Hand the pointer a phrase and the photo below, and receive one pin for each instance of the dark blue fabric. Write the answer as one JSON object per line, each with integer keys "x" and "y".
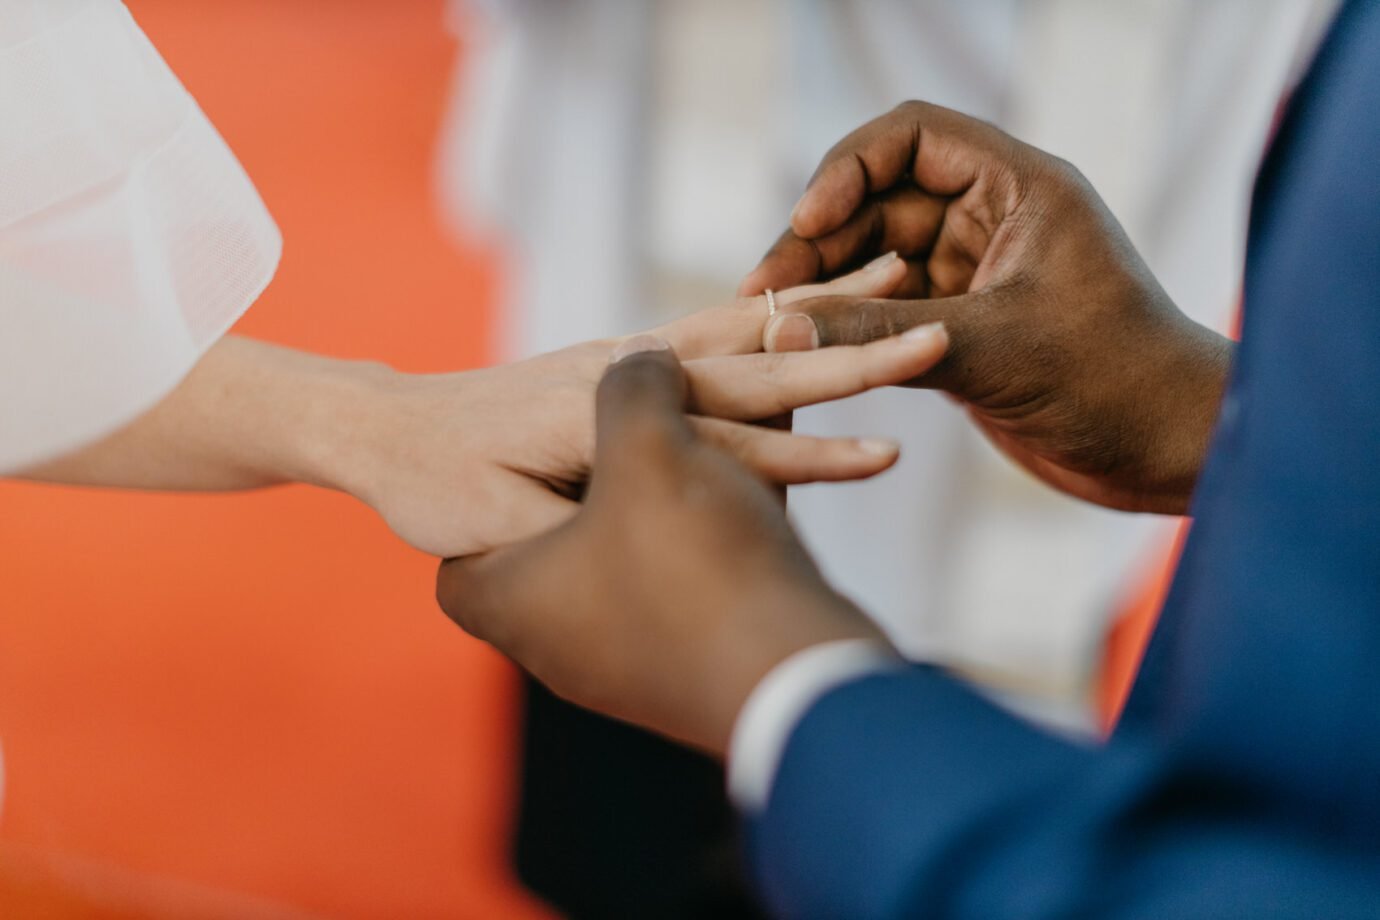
{"x": 1244, "y": 780}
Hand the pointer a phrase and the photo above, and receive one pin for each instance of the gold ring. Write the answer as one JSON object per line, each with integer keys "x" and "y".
{"x": 771, "y": 303}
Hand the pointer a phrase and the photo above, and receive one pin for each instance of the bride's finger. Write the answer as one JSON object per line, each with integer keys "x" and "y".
{"x": 782, "y": 458}
{"x": 751, "y": 387}
{"x": 736, "y": 328}
{"x": 880, "y": 277}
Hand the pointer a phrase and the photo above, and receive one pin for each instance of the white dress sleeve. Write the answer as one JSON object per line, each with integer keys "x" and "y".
{"x": 130, "y": 237}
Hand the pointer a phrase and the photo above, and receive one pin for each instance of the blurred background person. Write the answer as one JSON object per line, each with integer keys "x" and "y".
{"x": 632, "y": 158}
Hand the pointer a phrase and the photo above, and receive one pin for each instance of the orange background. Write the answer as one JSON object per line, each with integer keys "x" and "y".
{"x": 256, "y": 693}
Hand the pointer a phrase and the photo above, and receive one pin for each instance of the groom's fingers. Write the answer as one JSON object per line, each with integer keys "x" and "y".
{"x": 903, "y": 219}
{"x": 941, "y": 151}
{"x": 979, "y": 326}
{"x": 493, "y": 596}
{"x": 935, "y": 151}
{"x": 750, "y": 387}
{"x": 473, "y": 590}
{"x": 870, "y": 160}
{"x": 782, "y": 458}
{"x": 790, "y": 261}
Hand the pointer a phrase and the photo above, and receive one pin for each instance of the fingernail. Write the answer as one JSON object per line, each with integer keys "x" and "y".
{"x": 795, "y": 211}
{"x": 881, "y": 447}
{"x": 791, "y": 332}
{"x": 930, "y": 332}
{"x": 638, "y": 343}
{"x": 880, "y": 262}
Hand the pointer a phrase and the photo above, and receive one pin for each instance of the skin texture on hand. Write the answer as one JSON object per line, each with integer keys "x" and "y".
{"x": 464, "y": 462}
{"x": 676, "y": 588}
{"x": 1066, "y": 351}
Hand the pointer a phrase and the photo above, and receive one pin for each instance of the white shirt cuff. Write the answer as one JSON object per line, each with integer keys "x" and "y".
{"x": 781, "y": 700}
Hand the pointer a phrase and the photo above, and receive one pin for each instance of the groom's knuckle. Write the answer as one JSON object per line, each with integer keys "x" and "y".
{"x": 868, "y": 322}
{"x": 455, "y": 593}
{"x": 891, "y": 318}
{"x": 912, "y": 109}
{"x": 863, "y": 324}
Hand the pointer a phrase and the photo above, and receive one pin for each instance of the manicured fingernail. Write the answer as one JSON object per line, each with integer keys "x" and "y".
{"x": 880, "y": 262}
{"x": 791, "y": 332}
{"x": 930, "y": 332}
{"x": 881, "y": 447}
{"x": 638, "y": 343}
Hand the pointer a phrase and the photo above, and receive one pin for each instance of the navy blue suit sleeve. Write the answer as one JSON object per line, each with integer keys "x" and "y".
{"x": 909, "y": 795}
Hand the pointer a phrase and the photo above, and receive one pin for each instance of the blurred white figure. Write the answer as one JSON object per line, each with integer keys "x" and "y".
{"x": 637, "y": 158}
{"x": 612, "y": 147}
{"x": 546, "y": 140}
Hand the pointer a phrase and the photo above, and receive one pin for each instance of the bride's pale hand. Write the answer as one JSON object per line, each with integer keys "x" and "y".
{"x": 466, "y": 462}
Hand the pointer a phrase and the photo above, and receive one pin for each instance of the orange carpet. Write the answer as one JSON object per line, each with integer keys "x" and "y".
{"x": 255, "y": 694}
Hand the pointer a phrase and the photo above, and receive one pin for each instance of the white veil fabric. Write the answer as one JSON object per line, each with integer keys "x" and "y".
{"x": 130, "y": 237}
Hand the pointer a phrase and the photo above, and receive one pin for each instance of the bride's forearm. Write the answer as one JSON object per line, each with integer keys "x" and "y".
{"x": 465, "y": 462}
{"x": 248, "y": 415}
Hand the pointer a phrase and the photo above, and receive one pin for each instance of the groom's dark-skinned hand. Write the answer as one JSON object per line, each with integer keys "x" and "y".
{"x": 1065, "y": 350}
{"x": 677, "y": 586}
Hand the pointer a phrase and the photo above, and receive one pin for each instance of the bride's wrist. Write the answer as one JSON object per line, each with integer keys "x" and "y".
{"x": 346, "y": 425}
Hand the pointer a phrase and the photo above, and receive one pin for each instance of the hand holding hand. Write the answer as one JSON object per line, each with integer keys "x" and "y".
{"x": 462, "y": 463}
{"x": 676, "y": 588}
{"x": 1066, "y": 351}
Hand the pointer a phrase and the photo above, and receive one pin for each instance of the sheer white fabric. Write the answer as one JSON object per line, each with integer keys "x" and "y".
{"x": 130, "y": 237}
